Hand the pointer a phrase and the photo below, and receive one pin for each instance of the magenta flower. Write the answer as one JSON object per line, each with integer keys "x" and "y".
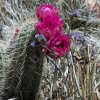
{"x": 41, "y": 28}
{"x": 54, "y": 23}
{"x": 57, "y": 46}
{"x": 49, "y": 28}
{"x": 49, "y": 21}
{"x": 46, "y": 11}
{"x": 38, "y": 27}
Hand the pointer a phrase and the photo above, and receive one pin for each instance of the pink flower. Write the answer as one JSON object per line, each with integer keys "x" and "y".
{"x": 57, "y": 46}
{"x": 54, "y": 23}
{"x": 41, "y": 28}
{"x": 49, "y": 22}
{"x": 46, "y": 10}
{"x": 49, "y": 28}
{"x": 38, "y": 27}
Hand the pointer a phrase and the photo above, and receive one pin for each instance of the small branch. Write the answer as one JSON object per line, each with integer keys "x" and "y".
{"x": 76, "y": 80}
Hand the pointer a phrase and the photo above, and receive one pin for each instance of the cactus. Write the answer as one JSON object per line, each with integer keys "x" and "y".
{"x": 24, "y": 71}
